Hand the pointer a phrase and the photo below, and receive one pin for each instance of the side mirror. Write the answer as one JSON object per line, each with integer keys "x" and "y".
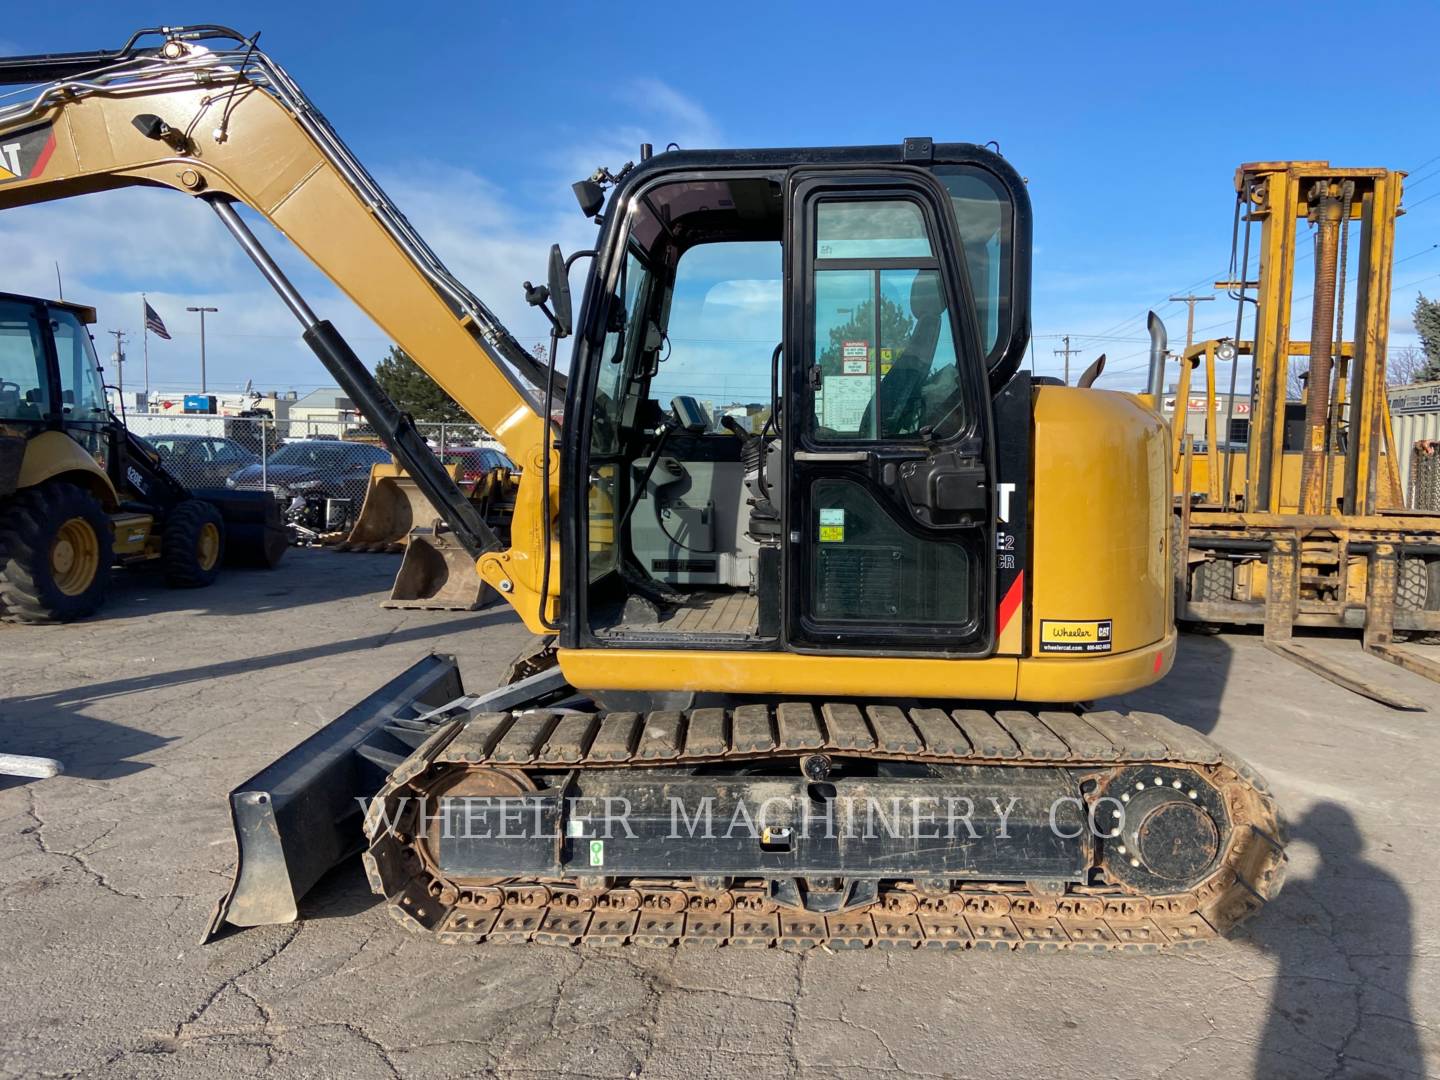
{"x": 559, "y": 283}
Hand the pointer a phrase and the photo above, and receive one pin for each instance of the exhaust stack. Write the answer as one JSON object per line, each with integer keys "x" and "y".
{"x": 1158, "y": 343}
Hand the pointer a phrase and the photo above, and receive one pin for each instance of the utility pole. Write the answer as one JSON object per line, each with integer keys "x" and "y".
{"x": 1190, "y": 302}
{"x": 119, "y": 365}
{"x": 202, "y": 311}
{"x": 1067, "y": 350}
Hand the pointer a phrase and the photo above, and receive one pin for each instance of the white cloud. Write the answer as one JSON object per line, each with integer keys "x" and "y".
{"x": 665, "y": 103}
{"x": 656, "y": 113}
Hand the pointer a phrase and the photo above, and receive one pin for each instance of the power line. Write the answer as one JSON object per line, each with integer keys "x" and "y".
{"x": 1066, "y": 351}
{"x": 1190, "y": 301}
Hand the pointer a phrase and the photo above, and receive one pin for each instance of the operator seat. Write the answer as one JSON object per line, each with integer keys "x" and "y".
{"x": 902, "y": 402}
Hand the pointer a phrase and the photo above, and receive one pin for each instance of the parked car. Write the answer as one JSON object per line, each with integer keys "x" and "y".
{"x": 201, "y": 461}
{"x": 325, "y": 467}
{"x": 474, "y": 461}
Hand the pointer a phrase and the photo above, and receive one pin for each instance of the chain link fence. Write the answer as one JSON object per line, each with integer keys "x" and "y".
{"x": 1425, "y": 476}
{"x": 324, "y": 462}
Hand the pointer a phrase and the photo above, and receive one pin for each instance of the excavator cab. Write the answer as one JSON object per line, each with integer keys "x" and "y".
{"x": 783, "y": 371}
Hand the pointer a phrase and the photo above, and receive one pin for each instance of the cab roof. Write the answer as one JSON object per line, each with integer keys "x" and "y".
{"x": 916, "y": 150}
{"x": 83, "y": 312}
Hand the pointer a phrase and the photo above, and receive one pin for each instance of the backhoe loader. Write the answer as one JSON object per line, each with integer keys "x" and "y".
{"x": 776, "y": 660}
{"x": 79, "y": 493}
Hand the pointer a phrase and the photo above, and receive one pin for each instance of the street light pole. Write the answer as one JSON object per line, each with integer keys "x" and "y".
{"x": 202, "y": 311}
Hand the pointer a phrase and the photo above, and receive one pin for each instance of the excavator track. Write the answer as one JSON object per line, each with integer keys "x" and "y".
{"x": 1112, "y": 756}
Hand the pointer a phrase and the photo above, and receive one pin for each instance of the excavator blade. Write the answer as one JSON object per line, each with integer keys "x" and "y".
{"x": 393, "y": 506}
{"x": 301, "y": 815}
{"x": 437, "y": 573}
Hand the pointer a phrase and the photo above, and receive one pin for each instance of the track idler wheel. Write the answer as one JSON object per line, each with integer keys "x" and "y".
{"x": 1167, "y": 828}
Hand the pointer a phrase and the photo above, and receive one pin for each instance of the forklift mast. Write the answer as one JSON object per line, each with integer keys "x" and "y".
{"x": 1299, "y": 520}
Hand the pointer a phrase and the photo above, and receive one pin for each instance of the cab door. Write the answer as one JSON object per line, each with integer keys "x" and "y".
{"x": 85, "y": 413}
{"x": 889, "y": 527}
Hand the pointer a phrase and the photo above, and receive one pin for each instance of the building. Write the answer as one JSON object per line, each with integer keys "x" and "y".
{"x": 171, "y": 402}
{"x": 326, "y": 411}
{"x": 1415, "y": 418}
{"x": 1195, "y": 414}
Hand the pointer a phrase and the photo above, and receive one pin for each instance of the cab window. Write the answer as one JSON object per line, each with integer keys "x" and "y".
{"x": 81, "y": 395}
{"x": 24, "y": 390}
{"x": 983, "y": 212}
{"x": 724, "y": 322}
{"x": 886, "y": 366}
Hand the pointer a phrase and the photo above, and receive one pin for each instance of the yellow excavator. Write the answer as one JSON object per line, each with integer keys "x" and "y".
{"x": 812, "y": 666}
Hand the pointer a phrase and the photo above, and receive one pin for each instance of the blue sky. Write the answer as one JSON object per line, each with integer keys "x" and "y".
{"x": 1127, "y": 120}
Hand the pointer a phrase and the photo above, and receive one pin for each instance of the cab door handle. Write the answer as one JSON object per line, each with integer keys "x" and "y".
{"x": 832, "y": 455}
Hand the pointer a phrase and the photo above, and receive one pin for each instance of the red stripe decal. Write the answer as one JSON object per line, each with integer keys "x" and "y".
{"x": 44, "y": 158}
{"x": 1013, "y": 597}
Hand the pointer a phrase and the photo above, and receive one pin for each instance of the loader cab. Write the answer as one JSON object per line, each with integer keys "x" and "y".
{"x": 49, "y": 374}
{"x": 783, "y": 392}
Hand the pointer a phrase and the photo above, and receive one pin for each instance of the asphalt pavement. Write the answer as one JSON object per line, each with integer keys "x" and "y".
{"x": 108, "y": 875}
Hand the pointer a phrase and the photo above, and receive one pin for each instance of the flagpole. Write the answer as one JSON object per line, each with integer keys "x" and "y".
{"x": 145, "y": 332}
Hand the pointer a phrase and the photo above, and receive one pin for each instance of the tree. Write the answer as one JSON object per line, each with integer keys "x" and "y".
{"x": 895, "y": 329}
{"x": 415, "y": 392}
{"x": 1427, "y": 326}
{"x": 1405, "y": 366}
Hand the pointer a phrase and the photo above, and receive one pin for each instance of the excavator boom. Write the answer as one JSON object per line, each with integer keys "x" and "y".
{"x": 203, "y": 111}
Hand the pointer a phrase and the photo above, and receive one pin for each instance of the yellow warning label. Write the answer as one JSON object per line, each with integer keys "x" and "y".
{"x": 1075, "y": 636}
{"x": 832, "y": 534}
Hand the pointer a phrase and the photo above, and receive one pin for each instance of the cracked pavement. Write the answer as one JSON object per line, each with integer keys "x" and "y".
{"x": 109, "y": 873}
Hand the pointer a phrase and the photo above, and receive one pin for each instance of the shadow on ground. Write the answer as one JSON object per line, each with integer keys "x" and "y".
{"x": 1344, "y": 942}
{"x": 301, "y": 579}
{"x": 1191, "y": 693}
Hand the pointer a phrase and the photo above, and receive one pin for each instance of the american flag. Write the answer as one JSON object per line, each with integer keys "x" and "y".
{"x": 154, "y": 323}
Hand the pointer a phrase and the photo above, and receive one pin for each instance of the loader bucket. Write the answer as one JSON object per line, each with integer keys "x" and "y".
{"x": 393, "y": 506}
{"x": 302, "y": 814}
{"x": 436, "y": 573}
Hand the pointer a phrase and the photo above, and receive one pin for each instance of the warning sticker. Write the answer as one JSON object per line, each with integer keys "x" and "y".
{"x": 1075, "y": 636}
{"x": 857, "y": 367}
{"x": 832, "y": 526}
{"x": 597, "y": 852}
{"x": 887, "y": 361}
{"x": 855, "y": 350}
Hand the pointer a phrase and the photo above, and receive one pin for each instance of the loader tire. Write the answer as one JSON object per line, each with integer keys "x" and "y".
{"x": 56, "y": 547}
{"x": 192, "y": 545}
{"x": 1417, "y": 587}
{"x": 1213, "y": 581}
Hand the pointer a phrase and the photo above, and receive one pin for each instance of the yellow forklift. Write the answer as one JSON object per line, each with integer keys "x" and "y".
{"x": 79, "y": 493}
{"x": 1289, "y": 512}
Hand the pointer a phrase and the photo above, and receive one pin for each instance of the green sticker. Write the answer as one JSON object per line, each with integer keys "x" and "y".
{"x": 597, "y": 852}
